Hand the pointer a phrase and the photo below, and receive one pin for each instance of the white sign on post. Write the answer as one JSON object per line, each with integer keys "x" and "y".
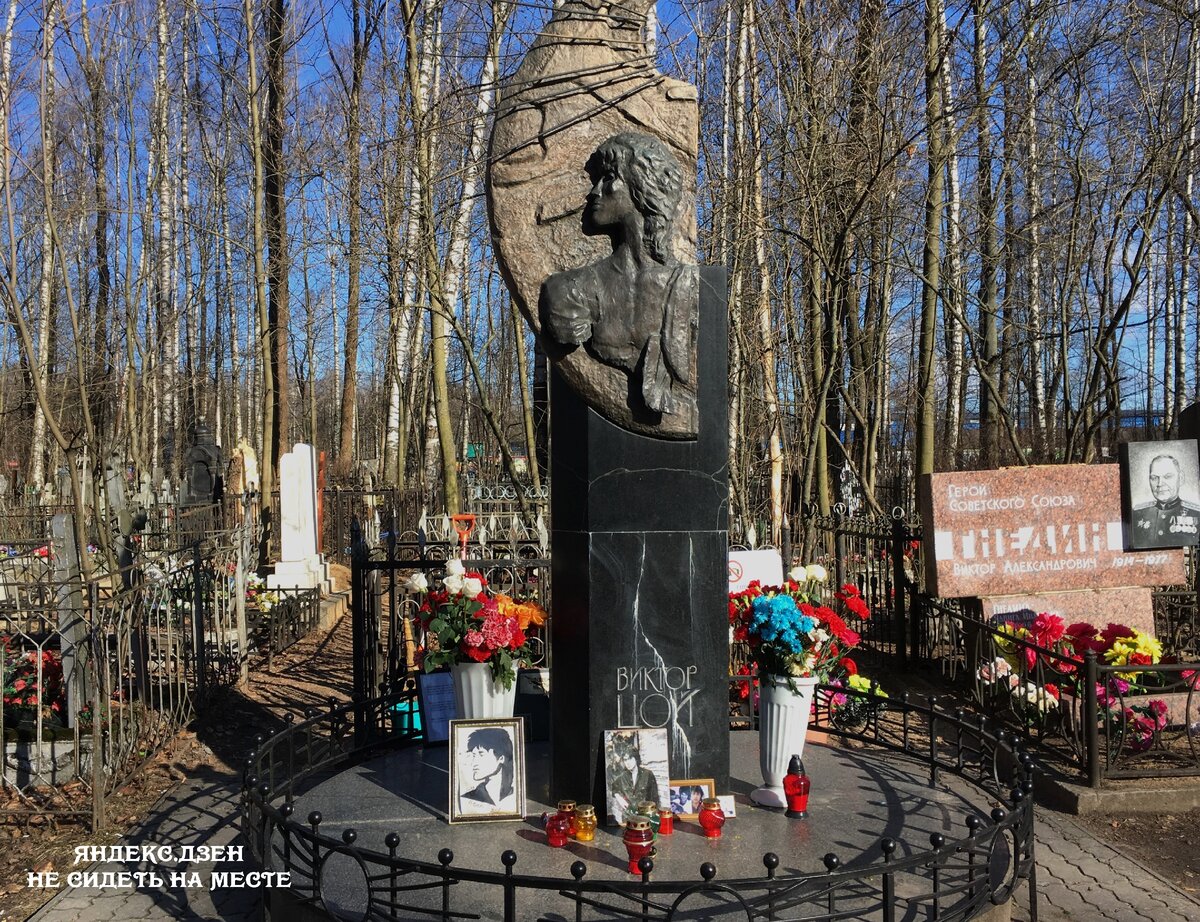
{"x": 746, "y": 566}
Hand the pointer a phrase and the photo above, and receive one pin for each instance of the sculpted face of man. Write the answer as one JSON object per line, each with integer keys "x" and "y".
{"x": 609, "y": 201}
{"x": 1164, "y": 479}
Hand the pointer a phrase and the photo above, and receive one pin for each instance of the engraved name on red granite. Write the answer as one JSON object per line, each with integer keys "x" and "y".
{"x": 1035, "y": 529}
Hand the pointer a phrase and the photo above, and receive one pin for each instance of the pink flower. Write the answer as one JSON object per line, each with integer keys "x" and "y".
{"x": 474, "y": 639}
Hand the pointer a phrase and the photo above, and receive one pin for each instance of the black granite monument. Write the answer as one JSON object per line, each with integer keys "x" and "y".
{"x": 639, "y": 626}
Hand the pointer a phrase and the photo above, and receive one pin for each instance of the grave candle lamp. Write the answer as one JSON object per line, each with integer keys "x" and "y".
{"x": 666, "y": 822}
{"x": 638, "y": 839}
{"x": 649, "y": 809}
{"x": 712, "y": 818}
{"x": 557, "y": 830}
{"x": 585, "y": 822}
{"x": 796, "y": 786}
{"x": 567, "y": 809}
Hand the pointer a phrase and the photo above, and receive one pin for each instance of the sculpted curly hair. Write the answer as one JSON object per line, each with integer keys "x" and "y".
{"x": 655, "y": 183}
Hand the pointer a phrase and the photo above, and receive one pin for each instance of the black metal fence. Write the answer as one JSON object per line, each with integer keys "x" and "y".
{"x": 1086, "y": 719}
{"x": 955, "y": 878}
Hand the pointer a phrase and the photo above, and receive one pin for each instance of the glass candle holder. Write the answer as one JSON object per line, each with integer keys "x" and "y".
{"x": 796, "y": 786}
{"x": 585, "y": 822}
{"x": 567, "y": 809}
{"x": 649, "y": 809}
{"x": 666, "y": 822}
{"x": 712, "y": 818}
{"x": 638, "y": 839}
{"x": 558, "y": 829}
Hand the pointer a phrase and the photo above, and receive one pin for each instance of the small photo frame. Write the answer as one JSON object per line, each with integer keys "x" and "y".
{"x": 487, "y": 770}
{"x": 635, "y": 770}
{"x": 687, "y": 794}
{"x": 1160, "y": 494}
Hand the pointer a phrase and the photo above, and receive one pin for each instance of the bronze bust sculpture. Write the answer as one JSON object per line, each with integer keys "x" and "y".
{"x": 636, "y": 309}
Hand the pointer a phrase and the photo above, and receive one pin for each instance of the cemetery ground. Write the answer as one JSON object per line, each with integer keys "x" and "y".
{"x": 1085, "y": 862}
{"x": 209, "y": 752}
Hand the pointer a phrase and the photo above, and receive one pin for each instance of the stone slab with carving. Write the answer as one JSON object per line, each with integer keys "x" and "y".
{"x": 586, "y": 79}
{"x": 1046, "y": 528}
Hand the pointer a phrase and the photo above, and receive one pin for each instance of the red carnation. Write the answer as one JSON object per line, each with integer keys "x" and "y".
{"x": 849, "y": 665}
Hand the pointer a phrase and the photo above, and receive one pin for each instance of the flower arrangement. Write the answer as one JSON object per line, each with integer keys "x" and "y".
{"x": 853, "y": 711}
{"x": 259, "y": 595}
{"x": 467, "y": 623}
{"x": 33, "y": 681}
{"x": 791, "y": 632}
{"x": 1133, "y": 725}
{"x": 1115, "y": 645}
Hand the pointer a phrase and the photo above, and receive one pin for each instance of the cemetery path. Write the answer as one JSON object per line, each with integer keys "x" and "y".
{"x": 194, "y": 801}
{"x": 1082, "y": 878}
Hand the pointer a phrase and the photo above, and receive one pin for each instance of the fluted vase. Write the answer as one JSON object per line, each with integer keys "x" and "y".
{"x": 478, "y": 695}
{"x": 782, "y": 723}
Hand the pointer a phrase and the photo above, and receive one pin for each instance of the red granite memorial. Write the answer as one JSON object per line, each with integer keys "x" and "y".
{"x": 1033, "y": 530}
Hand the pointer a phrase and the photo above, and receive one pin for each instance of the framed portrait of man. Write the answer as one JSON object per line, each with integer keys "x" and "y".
{"x": 1160, "y": 494}
{"x": 487, "y": 770}
{"x": 688, "y": 794}
{"x": 635, "y": 770}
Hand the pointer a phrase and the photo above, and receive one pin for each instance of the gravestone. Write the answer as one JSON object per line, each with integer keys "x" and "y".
{"x": 203, "y": 471}
{"x": 1042, "y": 538}
{"x": 638, "y": 394}
{"x": 299, "y": 565}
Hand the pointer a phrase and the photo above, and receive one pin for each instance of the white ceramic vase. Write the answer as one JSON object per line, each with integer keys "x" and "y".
{"x": 782, "y": 723}
{"x": 477, "y": 695}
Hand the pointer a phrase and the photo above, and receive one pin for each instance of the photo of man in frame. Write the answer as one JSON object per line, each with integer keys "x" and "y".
{"x": 1160, "y": 487}
{"x": 487, "y": 777}
{"x": 635, "y": 770}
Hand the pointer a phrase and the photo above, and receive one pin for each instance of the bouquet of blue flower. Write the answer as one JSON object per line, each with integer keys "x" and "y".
{"x": 791, "y": 633}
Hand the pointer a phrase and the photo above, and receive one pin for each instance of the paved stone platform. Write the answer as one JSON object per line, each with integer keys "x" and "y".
{"x": 1080, "y": 877}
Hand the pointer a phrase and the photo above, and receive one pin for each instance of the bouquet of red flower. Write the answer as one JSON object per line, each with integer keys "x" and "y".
{"x": 789, "y": 629}
{"x": 465, "y": 622}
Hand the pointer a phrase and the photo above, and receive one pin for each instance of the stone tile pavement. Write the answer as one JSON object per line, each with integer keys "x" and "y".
{"x": 198, "y": 812}
{"x": 1080, "y": 878}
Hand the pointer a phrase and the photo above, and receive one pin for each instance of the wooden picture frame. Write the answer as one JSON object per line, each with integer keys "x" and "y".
{"x": 687, "y": 794}
{"x": 487, "y": 770}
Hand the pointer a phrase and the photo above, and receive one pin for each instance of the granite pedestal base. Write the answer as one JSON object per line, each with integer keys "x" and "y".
{"x": 639, "y": 551}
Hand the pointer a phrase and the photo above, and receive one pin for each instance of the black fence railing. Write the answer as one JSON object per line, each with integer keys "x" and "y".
{"x": 956, "y": 878}
{"x": 1083, "y": 717}
{"x": 278, "y": 618}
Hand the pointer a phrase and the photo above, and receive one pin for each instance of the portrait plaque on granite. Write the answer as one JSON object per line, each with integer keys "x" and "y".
{"x": 635, "y": 309}
{"x": 1160, "y": 494}
{"x": 585, "y": 80}
{"x": 1034, "y": 529}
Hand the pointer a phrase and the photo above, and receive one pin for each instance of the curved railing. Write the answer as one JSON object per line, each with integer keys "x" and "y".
{"x": 956, "y": 877}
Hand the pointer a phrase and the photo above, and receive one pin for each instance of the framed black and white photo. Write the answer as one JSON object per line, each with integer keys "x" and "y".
{"x": 487, "y": 770}
{"x": 688, "y": 794}
{"x": 1160, "y": 494}
{"x": 635, "y": 770}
